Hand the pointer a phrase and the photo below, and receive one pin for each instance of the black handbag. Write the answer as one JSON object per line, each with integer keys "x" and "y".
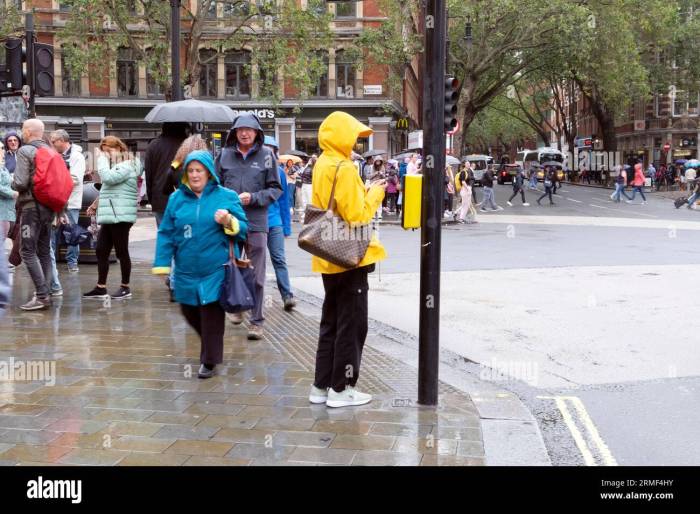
{"x": 238, "y": 290}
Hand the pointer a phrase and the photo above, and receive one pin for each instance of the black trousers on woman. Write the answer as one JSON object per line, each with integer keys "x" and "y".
{"x": 113, "y": 235}
{"x": 547, "y": 192}
{"x": 209, "y": 322}
{"x": 343, "y": 329}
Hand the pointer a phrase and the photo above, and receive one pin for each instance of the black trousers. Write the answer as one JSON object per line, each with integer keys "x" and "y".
{"x": 515, "y": 193}
{"x": 115, "y": 235}
{"x": 343, "y": 329}
{"x": 547, "y": 192}
{"x": 209, "y": 323}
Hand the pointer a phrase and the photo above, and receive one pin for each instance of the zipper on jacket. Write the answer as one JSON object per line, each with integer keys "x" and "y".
{"x": 113, "y": 211}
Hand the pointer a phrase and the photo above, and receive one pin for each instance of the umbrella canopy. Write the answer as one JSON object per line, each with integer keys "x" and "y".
{"x": 373, "y": 153}
{"x": 288, "y": 157}
{"x": 299, "y": 153}
{"x": 692, "y": 163}
{"x": 451, "y": 160}
{"x": 681, "y": 161}
{"x": 192, "y": 111}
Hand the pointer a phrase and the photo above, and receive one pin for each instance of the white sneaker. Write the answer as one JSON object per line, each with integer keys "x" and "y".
{"x": 318, "y": 395}
{"x": 350, "y": 397}
{"x": 509, "y": 204}
{"x": 526, "y": 204}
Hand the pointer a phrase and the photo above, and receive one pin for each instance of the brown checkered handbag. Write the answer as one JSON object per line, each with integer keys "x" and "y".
{"x": 328, "y": 236}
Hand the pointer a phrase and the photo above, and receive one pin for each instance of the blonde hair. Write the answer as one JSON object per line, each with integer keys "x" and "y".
{"x": 192, "y": 143}
{"x": 114, "y": 142}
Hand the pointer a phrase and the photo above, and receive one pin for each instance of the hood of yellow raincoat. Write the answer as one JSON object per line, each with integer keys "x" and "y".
{"x": 206, "y": 159}
{"x": 339, "y": 132}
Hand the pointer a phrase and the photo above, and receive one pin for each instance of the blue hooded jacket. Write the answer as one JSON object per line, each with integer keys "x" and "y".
{"x": 278, "y": 211}
{"x": 189, "y": 234}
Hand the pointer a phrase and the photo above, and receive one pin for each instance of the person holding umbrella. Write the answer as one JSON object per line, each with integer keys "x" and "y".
{"x": 291, "y": 173}
{"x": 246, "y": 166}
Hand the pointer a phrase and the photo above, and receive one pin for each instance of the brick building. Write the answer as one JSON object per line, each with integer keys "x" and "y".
{"x": 89, "y": 110}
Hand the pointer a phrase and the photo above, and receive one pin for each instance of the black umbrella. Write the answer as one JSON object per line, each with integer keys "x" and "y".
{"x": 298, "y": 153}
{"x": 193, "y": 111}
{"x": 373, "y": 153}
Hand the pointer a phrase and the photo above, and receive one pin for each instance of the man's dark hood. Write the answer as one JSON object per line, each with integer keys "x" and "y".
{"x": 9, "y": 135}
{"x": 248, "y": 121}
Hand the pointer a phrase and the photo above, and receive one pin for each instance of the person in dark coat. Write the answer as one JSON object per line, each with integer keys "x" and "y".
{"x": 12, "y": 143}
{"x": 159, "y": 156}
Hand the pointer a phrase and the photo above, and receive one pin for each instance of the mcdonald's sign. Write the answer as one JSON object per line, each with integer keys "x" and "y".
{"x": 402, "y": 124}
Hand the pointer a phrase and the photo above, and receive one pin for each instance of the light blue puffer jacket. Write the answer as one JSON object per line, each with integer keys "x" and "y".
{"x": 119, "y": 191}
{"x": 7, "y": 199}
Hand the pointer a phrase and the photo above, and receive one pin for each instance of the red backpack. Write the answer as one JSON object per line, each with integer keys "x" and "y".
{"x": 53, "y": 184}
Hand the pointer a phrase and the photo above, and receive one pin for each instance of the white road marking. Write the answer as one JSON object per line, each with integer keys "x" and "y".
{"x": 600, "y": 207}
{"x": 572, "y": 200}
{"x": 591, "y": 221}
{"x": 598, "y": 444}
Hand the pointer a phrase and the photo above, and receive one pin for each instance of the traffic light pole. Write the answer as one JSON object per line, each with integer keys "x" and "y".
{"x": 175, "y": 49}
{"x": 29, "y": 39}
{"x": 433, "y": 186}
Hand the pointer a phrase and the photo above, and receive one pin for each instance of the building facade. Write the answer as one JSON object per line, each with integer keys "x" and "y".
{"x": 90, "y": 109}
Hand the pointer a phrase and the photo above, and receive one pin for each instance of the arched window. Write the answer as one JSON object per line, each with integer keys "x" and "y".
{"x": 321, "y": 90}
{"x": 69, "y": 85}
{"x": 127, "y": 73}
{"x": 344, "y": 75}
{"x": 208, "y": 74}
{"x": 237, "y": 70}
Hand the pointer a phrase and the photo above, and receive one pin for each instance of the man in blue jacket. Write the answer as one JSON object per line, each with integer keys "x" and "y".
{"x": 280, "y": 227}
{"x": 249, "y": 168}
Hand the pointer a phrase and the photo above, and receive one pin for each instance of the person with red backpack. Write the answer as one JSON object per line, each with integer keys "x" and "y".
{"x": 44, "y": 186}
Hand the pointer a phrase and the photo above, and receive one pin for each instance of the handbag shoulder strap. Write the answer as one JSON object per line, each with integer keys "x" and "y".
{"x": 331, "y": 201}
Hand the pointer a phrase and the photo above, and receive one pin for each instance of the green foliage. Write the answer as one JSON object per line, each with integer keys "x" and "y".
{"x": 499, "y": 123}
{"x": 10, "y": 21}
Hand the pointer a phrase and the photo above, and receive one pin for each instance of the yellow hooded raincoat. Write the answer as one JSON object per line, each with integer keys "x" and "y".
{"x": 337, "y": 137}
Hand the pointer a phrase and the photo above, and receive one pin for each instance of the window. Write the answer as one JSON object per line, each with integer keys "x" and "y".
{"x": 685, "y": 104}
{"x": 346, "y": 9}
{"x": 64, "y": 7}
{"x": 154, "y": 87}
{"x": 234, "y": 8}
{"x": 70, "y": 86}
{"x": 344, "y": 76}
{"x": 321, "y": 90}
{"x": 127, "y": 73}
{"x": 237, "y": 70}
{"x": 208, "y": 73}
{"x": 211, "y": 13}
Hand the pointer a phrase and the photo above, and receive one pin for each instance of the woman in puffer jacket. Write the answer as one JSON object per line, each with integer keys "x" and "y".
{"x": 201, "y": 222}
{"x": 116, "y": 213}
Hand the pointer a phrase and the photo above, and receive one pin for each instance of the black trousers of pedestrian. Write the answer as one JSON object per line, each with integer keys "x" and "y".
{"x": 547, "y": 192}
{"x": 209, "y": 322}
{"x": 343, "y": 329}
{"x": 15, "y": 257}
{"x": 515, "y": 193}
{"x": 113, "y": 235}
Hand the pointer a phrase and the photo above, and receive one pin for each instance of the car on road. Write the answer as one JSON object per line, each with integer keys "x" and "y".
{"x": 507, "y": 172}
{"x": 479, "y": 163}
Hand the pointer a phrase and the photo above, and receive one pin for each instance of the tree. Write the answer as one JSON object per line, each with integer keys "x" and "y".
{"x": 498, "y": 125}
{"x": 285, "y": 37}
{"x": 10, "y": 21}
{"x": 510, "y": 40}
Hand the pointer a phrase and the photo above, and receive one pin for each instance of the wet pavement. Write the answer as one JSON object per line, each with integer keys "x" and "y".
{"x": 119, "y": 387}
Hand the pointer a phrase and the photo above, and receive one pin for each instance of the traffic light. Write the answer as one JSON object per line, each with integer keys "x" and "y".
{"x": 451, "y": 96}
{"x": 43, "y": 70}
{"x": 15, "y": 57}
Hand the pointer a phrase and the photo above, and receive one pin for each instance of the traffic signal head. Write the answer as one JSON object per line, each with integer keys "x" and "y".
{"x": 451, "y": 97}
{"x": 15, "y": 58}
{"x": 43, "y": 70}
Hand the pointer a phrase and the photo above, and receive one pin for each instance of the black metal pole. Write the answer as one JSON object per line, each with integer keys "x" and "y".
{"x": 175, "y": 49}
{"x": 29, "y": 49}
{"x": 433, "y": 185}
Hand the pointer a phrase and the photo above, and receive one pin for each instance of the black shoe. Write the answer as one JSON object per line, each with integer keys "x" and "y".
{"x": 99, "y": 293}
{"x": 206, "y": 370}
{"x": 124, "y": 292}
{"x": 289, "y": 303}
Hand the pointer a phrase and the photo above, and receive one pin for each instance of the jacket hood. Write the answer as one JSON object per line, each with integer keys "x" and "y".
{"x": 203, "y": 157}
{"x": 339, "y": 132}
{"x": 9, "y": 135}
{"x": 245, "y": 120}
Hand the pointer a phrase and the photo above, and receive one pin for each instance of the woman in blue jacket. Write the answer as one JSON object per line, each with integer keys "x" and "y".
{"x": 196, "y": 230}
